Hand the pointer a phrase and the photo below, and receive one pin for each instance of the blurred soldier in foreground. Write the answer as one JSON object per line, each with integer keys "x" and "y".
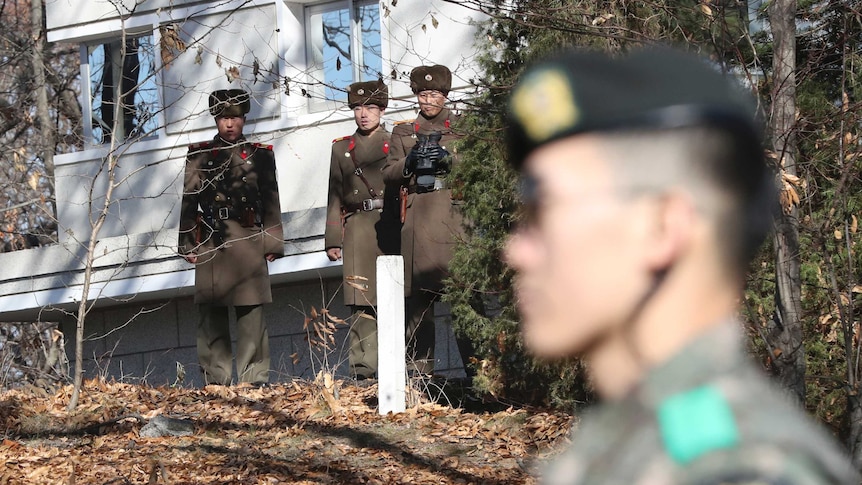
{"x": 354, "y": 230}
{"x": 646, "y": 196}
{"x": 230, "y": 226}
{"x": 420, "y": 159}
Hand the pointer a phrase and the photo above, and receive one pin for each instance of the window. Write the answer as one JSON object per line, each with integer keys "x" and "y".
{"x": 344, "y": 47}
{"x": 127, "y": 78}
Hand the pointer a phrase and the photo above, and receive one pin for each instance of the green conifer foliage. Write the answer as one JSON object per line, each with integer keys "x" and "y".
{"x": 480, "y": 287}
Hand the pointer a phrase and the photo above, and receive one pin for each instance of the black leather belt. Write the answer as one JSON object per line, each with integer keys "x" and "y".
{"x": 225, "y": 213}
{"x": 412, "y": 189}
{"x": 366, "y": 205}
{"x": 439, "y": 184}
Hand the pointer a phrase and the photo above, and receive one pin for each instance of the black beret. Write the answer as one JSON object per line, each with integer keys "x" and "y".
{"x": 229, "y": 102}
{"x": 582, "y": 91}
{"x": 433, "y": 78}
{"x": 370, "y": 92}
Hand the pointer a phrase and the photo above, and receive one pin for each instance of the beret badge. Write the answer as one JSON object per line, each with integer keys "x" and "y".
{"x": 545, "y": 105}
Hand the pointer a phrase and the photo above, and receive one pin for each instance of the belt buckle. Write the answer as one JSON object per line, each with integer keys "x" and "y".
{"x": 223, "y": 213}
{"x": 367, "y": 205}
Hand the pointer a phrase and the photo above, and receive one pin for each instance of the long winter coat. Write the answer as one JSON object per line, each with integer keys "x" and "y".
{"x": 361, "y": 235}
{"x": 219, "y": 177}
{"x": 433, "y": 222}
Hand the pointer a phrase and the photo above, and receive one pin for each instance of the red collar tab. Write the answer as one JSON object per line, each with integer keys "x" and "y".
{"x": 447, "y": 123}
{"x": 386, "y": 147}
{"x": 352, "y": 145}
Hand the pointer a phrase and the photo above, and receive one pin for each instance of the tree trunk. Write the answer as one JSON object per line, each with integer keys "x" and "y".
{"x": 46, "y": 126}
{"x": 785, "y": 330}
{"x": 110, "y": 166}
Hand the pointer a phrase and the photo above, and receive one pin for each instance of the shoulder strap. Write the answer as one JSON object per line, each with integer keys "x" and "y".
{"x": 358, "y": 171}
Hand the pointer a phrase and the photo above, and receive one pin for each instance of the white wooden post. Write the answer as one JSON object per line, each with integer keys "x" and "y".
{"x": 391, "y": 366}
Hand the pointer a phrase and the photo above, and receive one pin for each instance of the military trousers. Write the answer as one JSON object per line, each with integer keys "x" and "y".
{"x": 214, "y": 344}
{"x": 421, "y": 332}
{"x": 421, "y": 336}
{"x": 363, "y": 342}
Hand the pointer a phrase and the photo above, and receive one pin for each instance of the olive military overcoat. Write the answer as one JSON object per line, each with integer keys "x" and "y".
{"x": 223, "y": 180}
{"x": 433, "y": 222}
{"x": 360, "y": 233}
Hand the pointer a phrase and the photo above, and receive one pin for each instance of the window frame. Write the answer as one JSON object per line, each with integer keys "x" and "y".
{"x": 87, "y": 94}
{"x": 316, "y": 86}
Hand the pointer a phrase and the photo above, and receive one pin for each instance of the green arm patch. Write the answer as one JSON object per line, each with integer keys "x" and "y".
{"x": 696, "y": 422}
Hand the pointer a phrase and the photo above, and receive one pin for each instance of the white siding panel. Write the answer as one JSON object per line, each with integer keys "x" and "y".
{"x": 216, "y": 44}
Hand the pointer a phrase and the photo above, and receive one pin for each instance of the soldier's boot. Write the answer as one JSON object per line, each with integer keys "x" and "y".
{"x": 362, "y": 355}
{"x": 421, "y": 333}
{"x": 213, "y": 343}
{"x": 252, "y": 345}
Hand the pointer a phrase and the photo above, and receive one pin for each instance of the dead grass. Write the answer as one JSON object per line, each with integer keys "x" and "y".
{"x": 282, "y": 434}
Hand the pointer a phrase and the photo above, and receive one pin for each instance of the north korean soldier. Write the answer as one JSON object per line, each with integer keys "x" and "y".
{"x": 230, "y": 227}
{"x": 355, "y": 232}
{"x": 420, "y": 160}
{"x": 646, "y": 197}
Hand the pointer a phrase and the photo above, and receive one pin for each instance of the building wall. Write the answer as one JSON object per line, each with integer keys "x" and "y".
{"x": 64, "y": 14}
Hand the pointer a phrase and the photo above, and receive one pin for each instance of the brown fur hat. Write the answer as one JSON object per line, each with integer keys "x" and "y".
{"x": 229, "y": 102}
{"x": 434, "y": 78}
{"x": 370, "y": 92}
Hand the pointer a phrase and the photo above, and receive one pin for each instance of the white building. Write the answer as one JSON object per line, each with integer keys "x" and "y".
{"x": 295, "y": 58}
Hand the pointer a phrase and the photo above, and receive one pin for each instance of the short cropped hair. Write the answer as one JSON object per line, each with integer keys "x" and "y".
{"x": 724, "y": 172}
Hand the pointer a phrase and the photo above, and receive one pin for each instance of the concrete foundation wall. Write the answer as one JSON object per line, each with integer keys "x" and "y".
{"x": 145, "y": 344}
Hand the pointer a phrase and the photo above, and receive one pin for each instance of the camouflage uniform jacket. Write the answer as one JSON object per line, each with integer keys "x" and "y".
{"x": 234, "y": 186}
{"x": 707, "y": 416}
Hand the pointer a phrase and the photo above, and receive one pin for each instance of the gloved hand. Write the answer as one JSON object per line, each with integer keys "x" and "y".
{"x": 411, "y": 160}
{"x": 441, "y": 159}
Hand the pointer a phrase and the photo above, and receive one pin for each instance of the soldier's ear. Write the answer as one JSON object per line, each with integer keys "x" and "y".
{"x": 671, "y": 230}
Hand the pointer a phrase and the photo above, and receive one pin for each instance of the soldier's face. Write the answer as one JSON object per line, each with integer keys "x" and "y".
{"x": 230, "y": 127}
{"x": 431, "y": 102}
{"x": 578, "y": 257}
{"x": 367, "y": 117}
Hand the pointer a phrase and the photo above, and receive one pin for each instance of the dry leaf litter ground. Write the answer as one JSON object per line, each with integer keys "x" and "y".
{"x": 299, "y": 433}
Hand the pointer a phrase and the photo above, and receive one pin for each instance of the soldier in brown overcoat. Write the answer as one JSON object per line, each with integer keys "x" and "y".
{"x": 355, "y": 231}
{"x": 230, "y": 226}
{"x": 420, "y": 160}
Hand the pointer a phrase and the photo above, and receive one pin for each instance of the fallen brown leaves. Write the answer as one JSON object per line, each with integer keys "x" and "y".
{"x": 286, "y": 433}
